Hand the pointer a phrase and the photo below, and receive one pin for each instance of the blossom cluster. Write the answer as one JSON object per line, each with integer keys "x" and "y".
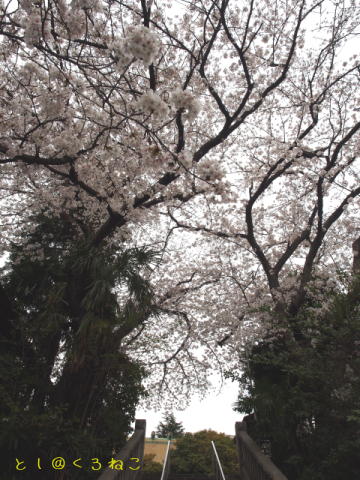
{"x": 209, "y": 171}
{"x": 140, "y": 43}
{"x": 152, "y": 103}
{"x": 185, "y": 100}
{"x": 185, "y": 159}
{"x": 33, "y": 29}
{"x": 85, "y": 4}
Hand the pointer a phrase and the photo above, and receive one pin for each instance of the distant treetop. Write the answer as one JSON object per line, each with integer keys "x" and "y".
{"x": 169, "y": 427}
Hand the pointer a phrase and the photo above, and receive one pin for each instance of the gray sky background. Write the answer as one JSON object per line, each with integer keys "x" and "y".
{"x": 213, "y": 412}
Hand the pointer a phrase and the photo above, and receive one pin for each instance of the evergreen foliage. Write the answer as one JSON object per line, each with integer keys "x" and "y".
{"x": 305, "y": 391}
{"x": 194, "y": 453}
{"x": 63, "y": 378}
{"x": 150, "y": 466}
{"x": 169, "y": 427}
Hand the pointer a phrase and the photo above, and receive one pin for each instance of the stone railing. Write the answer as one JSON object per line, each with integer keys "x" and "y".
{"x": 254, "y": 465}
{"x": 133, "y": 449}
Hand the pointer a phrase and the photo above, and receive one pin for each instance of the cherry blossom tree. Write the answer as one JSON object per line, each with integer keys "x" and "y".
{"x": 225, "y": 132}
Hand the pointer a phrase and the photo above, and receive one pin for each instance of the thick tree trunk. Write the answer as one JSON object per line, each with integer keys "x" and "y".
{"x": 356, "y": 256}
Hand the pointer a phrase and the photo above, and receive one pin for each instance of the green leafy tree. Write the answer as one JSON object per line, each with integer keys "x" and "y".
{"x": 63, "y": 379}
{"x": 169, "y": 427}
{"x": 305, "y": 392}
{"x": 194, "y": 453}
{"x": 150, "y": 466}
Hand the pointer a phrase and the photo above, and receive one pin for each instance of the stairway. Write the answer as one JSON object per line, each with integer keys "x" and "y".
{"x": 254, "y": 465}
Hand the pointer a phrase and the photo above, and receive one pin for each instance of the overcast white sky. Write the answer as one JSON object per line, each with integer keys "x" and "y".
{"x": 214, "y": 412}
